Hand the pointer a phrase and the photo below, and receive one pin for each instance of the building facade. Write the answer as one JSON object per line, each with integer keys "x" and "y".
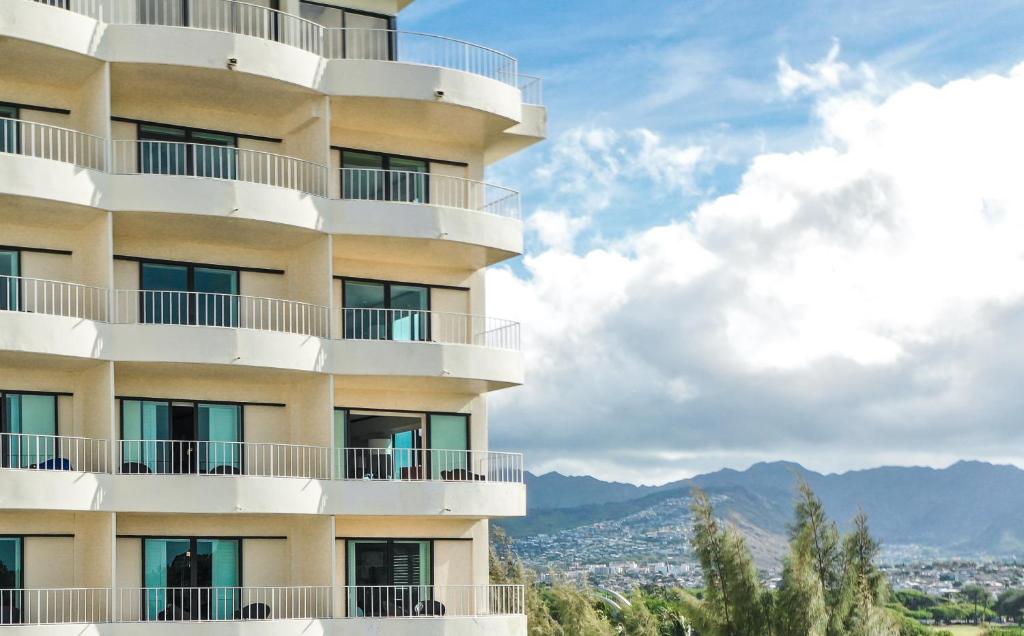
{"x": 244, "y": 350}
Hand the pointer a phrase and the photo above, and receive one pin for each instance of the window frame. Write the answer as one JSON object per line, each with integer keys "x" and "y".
{"x": 188, "y": 137}
{"x": 5, "y": 426}
{"x": 193, "y": 309}
{"x": 387, "y": 303}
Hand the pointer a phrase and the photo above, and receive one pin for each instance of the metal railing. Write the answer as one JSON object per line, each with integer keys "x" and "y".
{"x": 415, "y": 325}
{"x": 532, "y": 88}
{"x": 419, "y": 48}
{"x": 207, "y": 309}
{"x": 30, "y": 451}
{"x": 387, "y": 601}
{"x": 48, "y": 606}
{"x": 371, "y": 184}
{"x": 431, "y": 464}
{"x": 55, "y": 298}
{"x": 44, "y": 141}
{"x": 138, "y": 156}
{"x": 177, "y": 457}
{"x": 202, "y": 604}
{"x": 90, "y": 8}
{"x": 228, "y": 16}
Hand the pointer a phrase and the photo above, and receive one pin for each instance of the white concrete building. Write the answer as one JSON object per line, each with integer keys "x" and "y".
{"x": 244, "y": 352}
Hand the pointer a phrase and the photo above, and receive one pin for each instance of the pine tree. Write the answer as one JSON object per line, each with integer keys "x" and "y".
{"x": 734, "y": 602}
{"x": 865, "y": 591}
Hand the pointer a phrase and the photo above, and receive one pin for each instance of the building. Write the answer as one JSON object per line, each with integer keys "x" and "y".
{"x": 244, "y": 350}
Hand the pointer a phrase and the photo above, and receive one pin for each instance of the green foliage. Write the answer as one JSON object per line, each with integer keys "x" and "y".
{"x": 637, "y": 619}
{"x": 734, "y": 602}
{"x": 574, "y": 612}
{"x": 1010, "y": 604}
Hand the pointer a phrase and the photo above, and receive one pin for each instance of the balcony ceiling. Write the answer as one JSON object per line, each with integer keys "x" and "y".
{"x": 34, "y": 63}
{"x": 209, "y": 230}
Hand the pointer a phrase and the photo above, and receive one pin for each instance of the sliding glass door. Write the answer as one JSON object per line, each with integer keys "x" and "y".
{"x": 179, "y": 294}
{"x": 191, "y": 578}
{"x": 391, "y": 576}
{"x": 29, "y": 422}
{"x": 167, "y": 437}
{"x": 373, "y": 176}
{"x": 449, "y": 443}
{"x": 11, "y": 555}
{"x": 10, "y": 269}
{"x": 386, "y": 311}
{"x": 174, "y": 150}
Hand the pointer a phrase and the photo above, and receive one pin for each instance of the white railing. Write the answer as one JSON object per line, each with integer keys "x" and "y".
{"x": 414, "y": 325}
{"x": 202, "y": 604}
{"x": 54, "y": 605}
{"x": 89, "y": 8}
{"x": 370, "y": 184}
{"x": 419, "y": 48}
{"x": 532, "y": 88}
{"x": 228, "y": 16}
{"x": 30, "y": 451}
{"x": 143, "y": 457}
{"x": 387, "y": 601}
{"x": 137, "y": 156}
{"x": 55, "y": 298}
{"x": 428, "y": 464}
{"x": 43, "y": 141}
{"x": 207, "y": 309}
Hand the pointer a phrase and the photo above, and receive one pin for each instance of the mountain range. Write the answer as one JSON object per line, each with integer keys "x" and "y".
{"x": 969, "y": 508}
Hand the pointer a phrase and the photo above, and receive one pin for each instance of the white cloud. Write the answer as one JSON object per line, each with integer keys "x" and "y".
{"x": 865, "y": 294}
{"x": 827, "y": 74}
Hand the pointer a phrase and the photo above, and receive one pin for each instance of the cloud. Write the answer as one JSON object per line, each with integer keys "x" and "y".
{"x": 857, "y": 302}
{"x": 827, "y": 74}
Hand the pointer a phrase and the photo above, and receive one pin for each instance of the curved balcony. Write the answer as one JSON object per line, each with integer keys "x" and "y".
{"x": 54, "y": 298}
{"x": 204, "y": 161}
{"x": 51, "y": 472}
{"x": 398, "y": 186}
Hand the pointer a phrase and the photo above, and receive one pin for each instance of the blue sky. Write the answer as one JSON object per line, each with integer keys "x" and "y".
{"x": 761, "y": 231}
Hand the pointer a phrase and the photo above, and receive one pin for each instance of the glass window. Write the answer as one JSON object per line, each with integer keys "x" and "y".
{"x": 165, "y": 150}
{"x": 340, "y": 440}
{"x": 409, "y": 317}
{"x": 10, "y": 579}
{"x": 449, "y": 433}
{"x": 215, "y": 155}
{"x": 8, "y": 129}
{"x": 220, "y": 431}
{"x": 207, "y": 569}
{"x": 31, "y": 423}
{"x": 164, "y": 301}
{"x": 409, "y": 180}
{"x": 406, "y": 565}
{"x": 217, "y": 304}
{"x": 146, "y": 428}
{"x": 366, "y": 316}
{"x": 362, "y": 177}
{"x": 162, "y": 150}
{"x": 10, "y": 262}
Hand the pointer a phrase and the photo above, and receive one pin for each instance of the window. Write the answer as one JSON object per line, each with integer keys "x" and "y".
{"x": 28, "y": 422}
{"x": 171, "y": 437}
{"x": 8, "y": 128}
{"x": 363, "y": 176}
{"x": 11, "y": 576}
{"x": 404, "y": 566}
{"x": 175, "y": 150}
{"x": 381, "y": 445}
{"x": 449, "y": 433}
{"x": 182, "y": 294}
{"x": 360, "y": 35}
{"x": 386, "y": 311}
{"x": 191, "y": 577}
{"x": 10, "y": 269}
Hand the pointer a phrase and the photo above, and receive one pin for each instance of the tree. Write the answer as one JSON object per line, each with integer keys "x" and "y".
{"x": 574, "y": 612}
{"x": 506, "y": 568}
{"x": 810, "y": 597}
{"x": 978, "y": 596}
{"x": 864, "y": 588}
{"x": 734, "y": 602}
{"x": 1010, "y": 604}
{"x": 637, "y": 619}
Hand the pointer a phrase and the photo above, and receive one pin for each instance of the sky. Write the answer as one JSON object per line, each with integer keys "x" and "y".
{"x": 762, "y": 231}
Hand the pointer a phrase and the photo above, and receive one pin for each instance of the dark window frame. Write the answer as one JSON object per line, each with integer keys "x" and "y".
{"x": 195, "y": 427}
{"x": 189, "y": 133}
{"x": 193, "y": 545}
{"x": 389, "y": 541}
{"x": 15, "y": 284}
{"x": 193, "y": 309}
{"x": 387, "y": 303}
{"x": 386, "y": 158}
{"x": 5, "y": 425}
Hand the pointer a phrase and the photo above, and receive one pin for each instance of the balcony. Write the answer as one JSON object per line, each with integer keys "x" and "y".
{"x": 203, "y": 161}
{"x": 421, "y": 188}
{"x": 332, "y": 608}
